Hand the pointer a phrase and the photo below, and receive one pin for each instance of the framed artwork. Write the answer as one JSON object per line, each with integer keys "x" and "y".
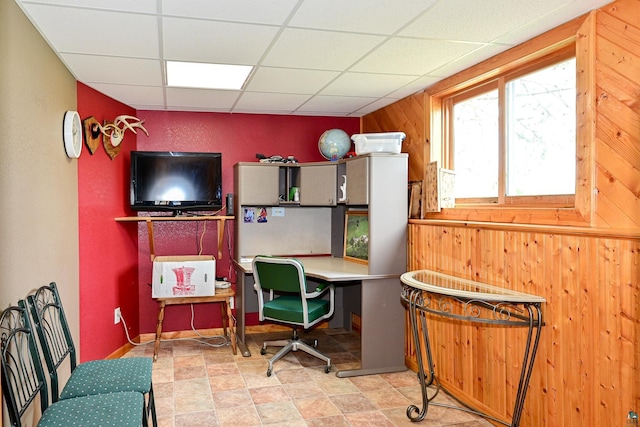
{"x": 356, "y": 236}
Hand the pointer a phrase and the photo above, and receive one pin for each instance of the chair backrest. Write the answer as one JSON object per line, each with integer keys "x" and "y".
{"x": 279, "y": 274}
{"x": 22, "y": 374}
{"x": 285, "y": 276}
{"x": 53, "y": 332}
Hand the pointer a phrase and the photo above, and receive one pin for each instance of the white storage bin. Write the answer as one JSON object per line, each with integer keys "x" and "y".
{"x": 386, "y": 142}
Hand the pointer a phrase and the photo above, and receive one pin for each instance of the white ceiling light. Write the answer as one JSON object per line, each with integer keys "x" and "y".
{"x": 207, "y": 76}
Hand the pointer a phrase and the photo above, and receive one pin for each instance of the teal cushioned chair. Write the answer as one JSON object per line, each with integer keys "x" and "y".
{"x": 290, "y": 303}
{"x": 88, "y": 378}
{"x": 23, "y": 381}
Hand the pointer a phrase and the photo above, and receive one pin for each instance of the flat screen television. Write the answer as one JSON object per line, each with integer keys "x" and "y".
{"x": 176, "y": 181}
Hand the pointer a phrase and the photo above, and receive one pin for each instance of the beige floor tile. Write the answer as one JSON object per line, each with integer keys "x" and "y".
{"x": 196, "y": 385}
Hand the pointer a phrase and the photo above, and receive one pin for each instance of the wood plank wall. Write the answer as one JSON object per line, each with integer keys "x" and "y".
{"x": 587, "y": 372}
{"x": 406, "y": 115}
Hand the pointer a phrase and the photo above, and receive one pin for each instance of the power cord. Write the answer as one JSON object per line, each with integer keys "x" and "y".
{"x": 212, "y": 337}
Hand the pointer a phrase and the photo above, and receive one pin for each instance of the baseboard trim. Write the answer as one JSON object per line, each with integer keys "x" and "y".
{"x": 148, "y": 339}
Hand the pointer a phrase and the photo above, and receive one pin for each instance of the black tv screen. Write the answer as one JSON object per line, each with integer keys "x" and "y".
{"x": 175, "y": 181}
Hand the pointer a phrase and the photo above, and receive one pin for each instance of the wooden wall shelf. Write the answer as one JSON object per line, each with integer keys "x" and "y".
{"x": 151, "y": 219}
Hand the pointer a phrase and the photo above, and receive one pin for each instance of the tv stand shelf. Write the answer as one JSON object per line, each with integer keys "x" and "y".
{"x": 151, "y": 219}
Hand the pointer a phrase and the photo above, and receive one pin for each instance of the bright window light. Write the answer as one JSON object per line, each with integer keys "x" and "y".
{"x": 207, "y": 76}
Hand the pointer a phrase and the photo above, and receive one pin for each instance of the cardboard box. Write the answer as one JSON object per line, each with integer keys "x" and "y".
{"x": 183, "y": 276}
{"x": 385, "y": 142}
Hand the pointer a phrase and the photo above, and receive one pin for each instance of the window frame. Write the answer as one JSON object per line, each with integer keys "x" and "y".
{"x": 577, "y": 35}
{"x": 500, "y": 82}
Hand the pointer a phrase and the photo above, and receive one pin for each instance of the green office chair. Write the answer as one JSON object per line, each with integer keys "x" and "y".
{"x": 23, "y": 382}
{"x": 290, "y": 303}
{"x": 88, "y": 378}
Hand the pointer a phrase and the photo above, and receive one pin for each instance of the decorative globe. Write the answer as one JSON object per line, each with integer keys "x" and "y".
{"x": 334, "y": 144}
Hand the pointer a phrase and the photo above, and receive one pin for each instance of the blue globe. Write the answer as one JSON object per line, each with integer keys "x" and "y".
{"x": 334, "y": 144}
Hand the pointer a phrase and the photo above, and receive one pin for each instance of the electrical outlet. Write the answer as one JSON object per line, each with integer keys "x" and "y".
{"x": 116, "y": 316}
{"x": 232, "y": 303}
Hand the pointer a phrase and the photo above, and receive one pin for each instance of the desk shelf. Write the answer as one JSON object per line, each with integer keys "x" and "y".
{"x": 151, "y": 219}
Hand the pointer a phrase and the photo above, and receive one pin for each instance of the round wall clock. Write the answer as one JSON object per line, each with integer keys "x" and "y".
{"x": 72, "y": 134}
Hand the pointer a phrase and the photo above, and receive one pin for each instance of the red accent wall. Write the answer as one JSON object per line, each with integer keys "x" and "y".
{"x": 108, "y": 250}
{"x": 115, "y": 265}
{"x": 239, "y": 137}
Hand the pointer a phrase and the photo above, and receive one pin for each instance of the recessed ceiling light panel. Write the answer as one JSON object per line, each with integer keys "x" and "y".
{"x": 207, "y": 76}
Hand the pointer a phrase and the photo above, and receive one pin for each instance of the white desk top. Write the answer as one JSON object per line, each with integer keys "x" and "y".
{"x": 328, "y": 268}
{"x": 444, "y": 284}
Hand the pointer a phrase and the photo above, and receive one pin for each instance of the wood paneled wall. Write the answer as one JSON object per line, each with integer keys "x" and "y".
{"x": 618, "y": 115}
{"x": 408, "y": 116}
{"x": 587, "y": 371}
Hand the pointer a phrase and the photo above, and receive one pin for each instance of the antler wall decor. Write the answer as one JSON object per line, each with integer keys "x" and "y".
{"x": 112, "y": 132}
{"x": 115, "y": 131}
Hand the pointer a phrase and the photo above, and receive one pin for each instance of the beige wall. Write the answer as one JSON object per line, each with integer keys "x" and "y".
{"x": 38, "y": 183}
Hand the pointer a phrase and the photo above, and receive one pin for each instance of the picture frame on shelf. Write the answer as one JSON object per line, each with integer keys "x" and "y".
{"x": 356, "y": 236}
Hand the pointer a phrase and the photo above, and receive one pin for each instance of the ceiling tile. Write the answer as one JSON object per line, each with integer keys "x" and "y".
{"x": 472, "y": 58}
{"x": 374, "y": 106}
{"x": 132, "y": 95}
{"x": 289, "y": 80}
{"x": 319, "y": 50}
{"x": 264, "y": 11}
{"x": 139, "y": 6}
{"x": 97, "y": 32}
{"x": 363, "y": 84}
{"x": 413, "y": 87}
{"x": 466, "y": 20}
{"x": 265, "y": 101}
{"x": 201, "y": 98}
{"x": 545, "y": 23}
{"x": 111, "y": 69}
{"x": 363, "y": 16}
{"x": 336, "y": 104}
{"x": 219, "y": 42}
{"x": 409, "y": 56}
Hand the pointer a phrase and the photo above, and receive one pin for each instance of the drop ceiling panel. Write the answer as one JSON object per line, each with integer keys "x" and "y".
{"x": 413, "y": 56}
{"x": 273, "y": 12}
{"x": 73, "y": 30}
{"x": 319, "y": 50}
{"x": 220, "y": 42}
{"x": 111, "y": 69}
{"x": 466, "y": 20}
{"x": 289, "y": 80}
{"x": 265, "y": 101}
{"x": 201, "y": 98}
{"x": 139, "y": 6}
{"x": 132, "y": 95}
{"x": 360, "y": 16}
{"x": 336, "y": 104}
{"x": 363, "y": 84}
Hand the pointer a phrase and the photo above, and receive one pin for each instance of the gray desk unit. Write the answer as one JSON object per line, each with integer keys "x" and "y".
{"x": 311, "y": 227}
{"x": 382, "y": 314}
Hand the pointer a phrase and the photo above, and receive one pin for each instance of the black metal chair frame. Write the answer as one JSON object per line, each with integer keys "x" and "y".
{"x": 57, "y": 343}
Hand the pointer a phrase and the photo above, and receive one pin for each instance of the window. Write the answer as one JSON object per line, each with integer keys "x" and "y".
{"x": 512, "y": 140}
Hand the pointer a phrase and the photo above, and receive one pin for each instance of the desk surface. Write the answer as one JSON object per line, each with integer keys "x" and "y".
{"x": 332, "y": 269}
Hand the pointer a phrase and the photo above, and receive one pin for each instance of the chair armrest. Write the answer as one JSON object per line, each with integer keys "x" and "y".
{"x": 320, "y": 289}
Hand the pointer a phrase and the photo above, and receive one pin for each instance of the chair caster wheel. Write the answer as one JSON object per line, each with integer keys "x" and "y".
{"x": 268, "y": 372}
{"x": 327, "y": 369}
{"x": 263, "y": 351}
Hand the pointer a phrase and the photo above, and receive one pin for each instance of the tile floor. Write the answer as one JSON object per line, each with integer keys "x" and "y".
{"x": 200, "y": 385}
